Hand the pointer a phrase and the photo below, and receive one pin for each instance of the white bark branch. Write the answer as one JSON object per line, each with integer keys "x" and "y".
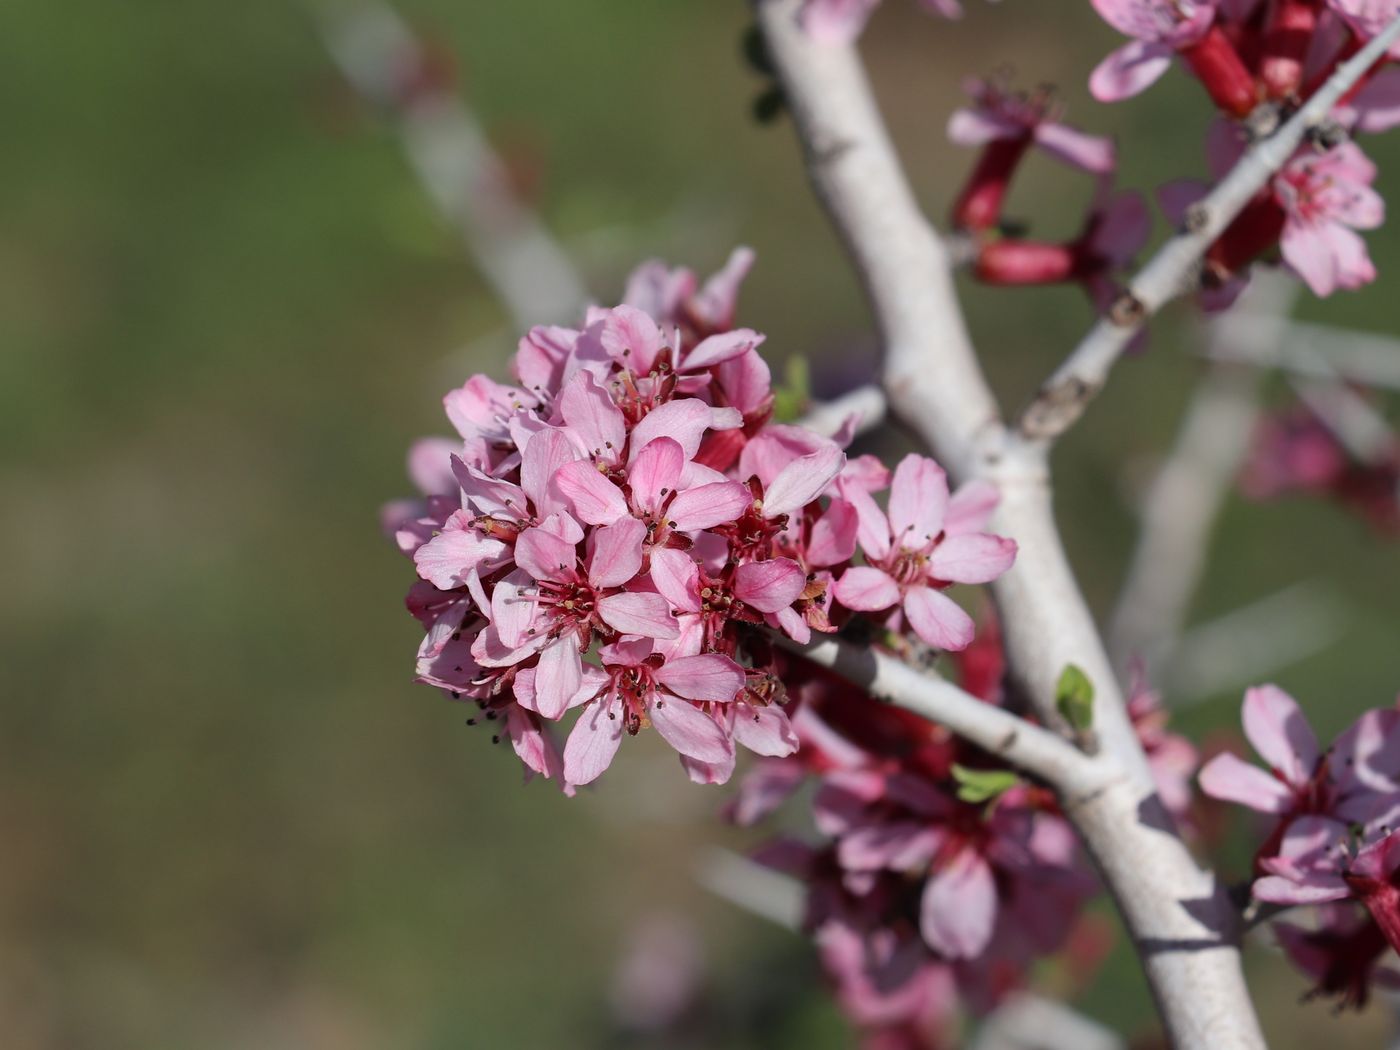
{"x": 1063, "y": 397}
{"x": 1020, "y": 743}
{"x": 453, "y": 159}
{"x": 1030, "y": 1022}
{"x": 1320, "y": 352}
{"x": 1189, "y": 490}
{"x": 1182, "y": 923}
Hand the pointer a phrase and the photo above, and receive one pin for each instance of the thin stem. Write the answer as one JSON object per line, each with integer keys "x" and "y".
{"x": 1063, "y": 397}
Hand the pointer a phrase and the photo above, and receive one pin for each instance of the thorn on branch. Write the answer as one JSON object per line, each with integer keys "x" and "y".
{"x": 1127, "y": 311}
{"x": 1328, "y": 134}
{"x": 1197, "y": 218}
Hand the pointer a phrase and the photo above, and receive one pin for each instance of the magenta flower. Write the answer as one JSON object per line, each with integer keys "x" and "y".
{"x": 1326, "y": 198}
{"x": 916, "y": 551}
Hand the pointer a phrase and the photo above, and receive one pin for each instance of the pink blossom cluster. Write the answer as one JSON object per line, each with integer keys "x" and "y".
{"x": 923, "y": 899}
{"x": 1248, "y": 53}
{"x": 1294, "y": 452}
{"x": 618, "y": 534}
{"x": 1334, "y": 839}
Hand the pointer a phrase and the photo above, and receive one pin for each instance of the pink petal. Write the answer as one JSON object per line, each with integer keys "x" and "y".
{"x": 631, "y": 338}
{"x": 558, "y": 677}
{"x": 690, "y": 730}
{"x": 593, "y": 742}
{"x": 959, "y": 907}
{"x": 590, "y": 413}
{"x": 976, "y": 557}
{"x": 593, "y": 498}
{"x": 638, "y": 613}
{"x": 545, "y": 453}
{"x": 512, "y": 612}
{"x": 706, "y": 506}
{"x": 1092, "y": 153}
{"x": 895, "y": 845}
{"x": 1277, "y": 890}
{"x": 802, "y": 481}
{"x": 937, "y": 619}
{"x": 1131, "y": 69}
{"x": 769, "y": 585}
{"x": 716, "y": 300}
{"x": 977, "y": 127}
{"x": 746, "y": 381}
{"x": 655, "y": 472}
{"x": 676, "y": 577}
{"x": 1309, "y": 250}
{"x": 684, "y": 421}
{"x": 833, "y": 538}
{"x": 1231, "y": 779}
{"x": 725, "y": 346}
{"x": 531, "y": 743}
{"x": 866, "y": 589}
{"x": 918, "y": 501}
{"x": 765, "y": 730}
{"x": 874, "y": 528}
{"x": 971, "y": 507}
{"x": 706, "y": 677}
{"x": 488, "y": 495}
{"x": 546, "y": 556}
{"x": 447, "y": 558}
{"x": 615, "y": 553}
{"x": 1276, "y": 726}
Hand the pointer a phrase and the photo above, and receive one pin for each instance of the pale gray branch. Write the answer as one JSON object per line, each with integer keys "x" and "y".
{"x": 1023, "y": 744}
{"x": 1320, "y": 352}
{"x": 1185, "y": 498}
{"x": 1182, "y": 922}
{"x": 1063, "y": 397}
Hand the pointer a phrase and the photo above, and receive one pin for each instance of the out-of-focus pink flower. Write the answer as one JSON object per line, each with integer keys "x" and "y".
{"x": 1295, "y": 452}
{"x": 1351, "y": 783}
{"x": 917, "y": 550}
{"x": 1160, "y": 30}
{"x": 1326, "y": 198}
{"x": 1005, "y": 124}
{"x": 1341, "y": 952}
{"x": 1171, "y": 757}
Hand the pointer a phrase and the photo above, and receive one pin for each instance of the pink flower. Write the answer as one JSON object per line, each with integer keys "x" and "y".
{"x": 1000, "y": 115}
{"x": 1171, "y": 757}
{"x": 1005, "y": 125}
{"x": 642, "y": 690}
{"x": 1341, "y": 953}
{"x": 916, "y": 551}
{"x": 1326, "y": 198}
{"x": 1359, "y": 774}
{"x": 1159, "y": 29}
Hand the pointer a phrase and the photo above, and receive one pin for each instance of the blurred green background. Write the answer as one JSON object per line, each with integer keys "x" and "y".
{"x": 227, "y": 818}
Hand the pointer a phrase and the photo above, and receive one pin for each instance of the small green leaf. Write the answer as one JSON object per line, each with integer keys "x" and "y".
{"x": 1074, "y": 698}
{"x": 983, "y": 785}
{"x": 794, "y": 394}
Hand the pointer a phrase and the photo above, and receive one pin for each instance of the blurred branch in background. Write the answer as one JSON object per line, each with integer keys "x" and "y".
{"x": 865, "y": 402}
{"x": 392, "y": 69}
{"x": 1184, "y": 500}
{"x": 1250, "y": 644}
{"x": 1318, "y": 351}
{"x": 1029, "y": 1022}
{"x": 752, "y": 887}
